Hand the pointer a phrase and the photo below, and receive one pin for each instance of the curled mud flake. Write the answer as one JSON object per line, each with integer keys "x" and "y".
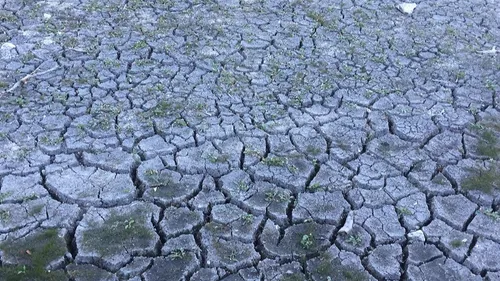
{"x": 407, "y": 8}
{"x": 348, "y": 223}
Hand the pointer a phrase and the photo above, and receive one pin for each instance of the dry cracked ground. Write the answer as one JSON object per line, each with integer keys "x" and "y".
{"x": 249, "y": 140}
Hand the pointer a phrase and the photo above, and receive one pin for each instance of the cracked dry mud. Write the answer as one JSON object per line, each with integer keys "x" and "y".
{"x": 230, "y": 140}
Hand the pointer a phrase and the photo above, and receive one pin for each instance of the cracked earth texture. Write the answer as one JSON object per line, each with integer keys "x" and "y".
{"x": 233, "y": 139}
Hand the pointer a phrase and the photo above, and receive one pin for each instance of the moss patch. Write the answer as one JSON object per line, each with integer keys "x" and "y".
{"x": 222, "y": 158}
{"x": 34, "y": 253}
{"x": 403, "y": 211}
{"x": 228, "y": 252}
{"x": 163, "y": 109}
{"x": 457, "y": 243}
{"x": 293, "y": 277}
{"x": 312, "y": 150}
{"x": 483, "y": 180}
{"x": 325, "y": 266}
{"x": 117, "y": 233}
{"x": 488, "y": 143}
{"x": 275, "y": 161}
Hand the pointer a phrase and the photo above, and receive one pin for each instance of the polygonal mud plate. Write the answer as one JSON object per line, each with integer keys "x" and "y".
{"x": 337, "y": 265}
{"x": 91, "y": 187}
{"x": 45, "y": 211}
{"x": 172, "y": 268}
{"x": 242, "y": 226}
{"x": 164, "y": 186}
{"x": 258, "y": 197}
{"x": 322, "y": 207}
{"x": 231, "y": 255}
{"x": 298, "y": 240}
{"x": 88, "y": 272}
{"x": 111, "y": 236}
{"x": 291, "y": 171}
